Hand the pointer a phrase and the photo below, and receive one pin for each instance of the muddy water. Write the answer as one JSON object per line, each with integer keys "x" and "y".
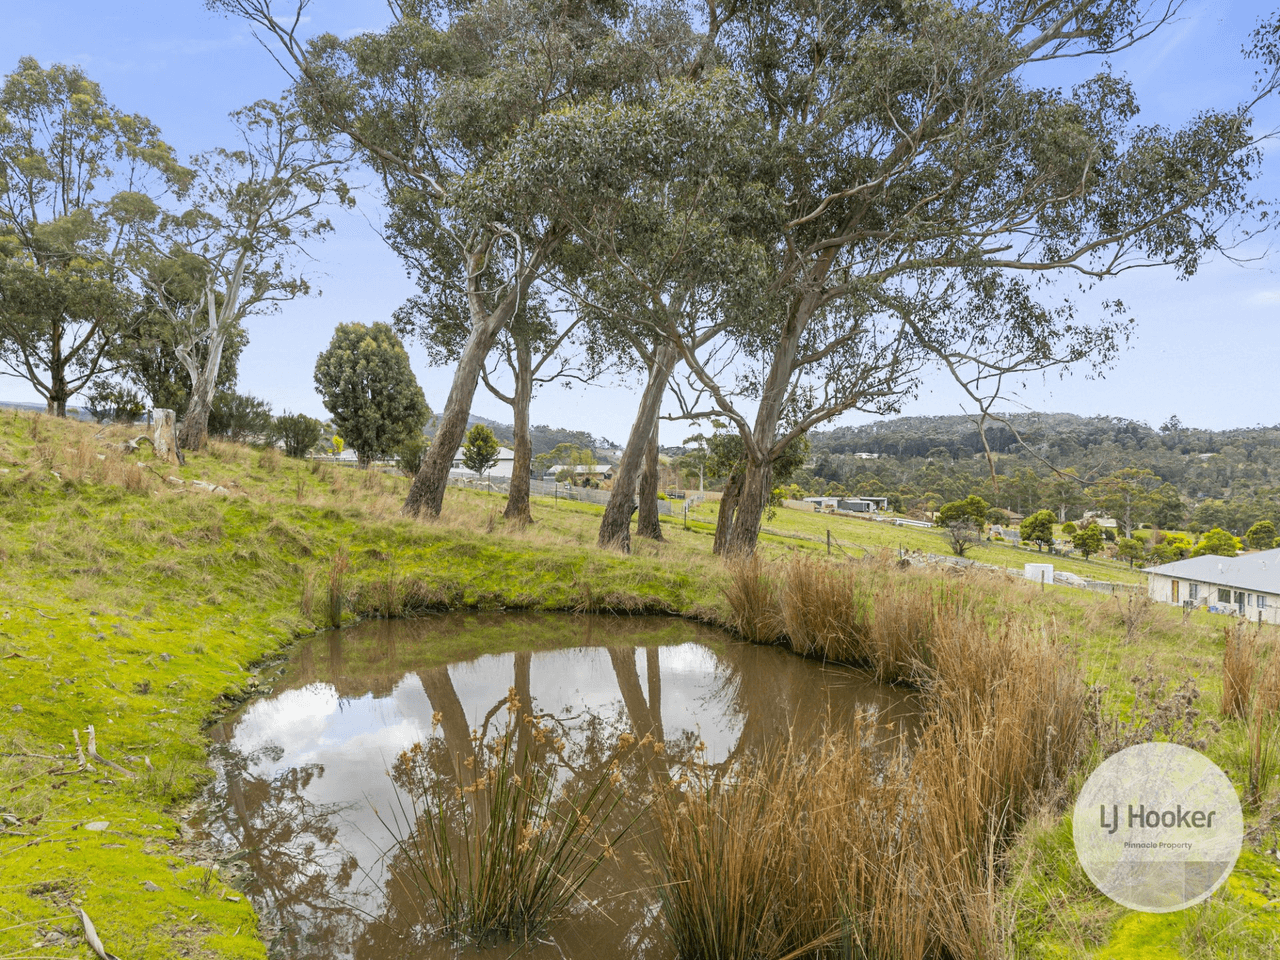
{"x": 304, "y": 801}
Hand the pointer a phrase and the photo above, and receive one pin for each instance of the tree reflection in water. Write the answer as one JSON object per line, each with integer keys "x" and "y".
{"x": 358, "y": 698}
{"x": 299, "y": 872}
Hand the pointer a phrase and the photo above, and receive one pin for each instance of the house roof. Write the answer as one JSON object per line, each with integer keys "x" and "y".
{"x": 1259, "y": 572}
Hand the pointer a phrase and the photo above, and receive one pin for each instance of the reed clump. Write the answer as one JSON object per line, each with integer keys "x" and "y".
{"x": 867, "y": 613}
{"x": 339, "y": 565}
{"x": 498, "y": 847}
{"x": 752, "y": 593}
{"x": 1239, "y": 668}
{"x": 843, "y": 849}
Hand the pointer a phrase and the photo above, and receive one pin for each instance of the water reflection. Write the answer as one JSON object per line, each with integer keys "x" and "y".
{"x": 303, "y": 793}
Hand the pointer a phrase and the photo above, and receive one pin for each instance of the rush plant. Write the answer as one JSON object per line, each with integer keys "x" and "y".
{"x": 500, "y": 847}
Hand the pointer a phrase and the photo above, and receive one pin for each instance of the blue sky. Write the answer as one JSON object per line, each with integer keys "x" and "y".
{"x": 1206, "y": 349}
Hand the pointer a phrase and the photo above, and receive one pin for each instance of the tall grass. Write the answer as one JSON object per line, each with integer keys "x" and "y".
{"x": 752, "y": 595}
{"x": 867, "y": 613}
{"x": 501, "y": 849}
{"x": 835, "y": 849}
{"x": 338, "y": 567}
{"x": 1239, "y": 667}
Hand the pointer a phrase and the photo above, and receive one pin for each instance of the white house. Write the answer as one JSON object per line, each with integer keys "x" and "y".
{"x": 1247, "y": 585}
{"x": 501, "y": 470}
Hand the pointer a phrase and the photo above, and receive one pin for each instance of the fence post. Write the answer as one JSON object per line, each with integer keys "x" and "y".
{"x": 828, "y": 541}
{"x": 1042, "y": 581}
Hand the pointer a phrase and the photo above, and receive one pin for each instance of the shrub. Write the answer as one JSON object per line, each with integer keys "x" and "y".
{"x": 409, "y": 454}
{"x": 298, "y": 432}
{"x": 239, "y": 417}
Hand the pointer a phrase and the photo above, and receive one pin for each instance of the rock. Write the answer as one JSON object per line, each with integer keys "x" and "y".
{"x": 98, "y": 825}
{"x": 210, "y": 487}
{"x": 149, "y": 886}
{"x": 176, "y": 481}
{"x": 16, "y": 708}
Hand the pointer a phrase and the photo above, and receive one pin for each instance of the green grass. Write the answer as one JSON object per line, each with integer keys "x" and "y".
{"x": 147, "y": 609}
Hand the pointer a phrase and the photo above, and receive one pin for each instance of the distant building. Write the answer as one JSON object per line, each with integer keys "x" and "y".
{"x": 1246, "y": 586}
{"x": 502, "y": 469}
{"x": 848, "y": 504}
{"x": 595, "y": 471}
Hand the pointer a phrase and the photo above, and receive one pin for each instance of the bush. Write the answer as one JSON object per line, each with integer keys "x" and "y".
{"x": 409, "y": 454}
{"x": 1217, "y": 541}
{"x": 298, "y": 432}
{"x": 115, "y": 403}
{"x": 239, "y": 417}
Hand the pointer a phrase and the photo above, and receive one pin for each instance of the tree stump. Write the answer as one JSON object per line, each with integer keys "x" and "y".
{"x": 165, "y": 436}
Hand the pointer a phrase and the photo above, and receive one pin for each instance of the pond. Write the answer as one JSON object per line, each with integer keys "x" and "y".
{"x": 303, "y": 799}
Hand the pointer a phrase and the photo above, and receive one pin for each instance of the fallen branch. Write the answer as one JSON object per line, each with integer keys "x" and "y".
{"x": 91, "y": 937}
{"x": 84, "y": 764}
{"x": 93, "y": 753}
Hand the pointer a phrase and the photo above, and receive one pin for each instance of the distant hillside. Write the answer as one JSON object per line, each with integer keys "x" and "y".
{"x": 73, "y": 413}
{"x": 544, "y": 438}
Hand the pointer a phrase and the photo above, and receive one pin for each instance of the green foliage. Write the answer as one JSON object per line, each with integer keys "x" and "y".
{"x": 79, "y": 181}
{"x": 1262, "y": 535}
{"x": 240, "y": 417}
{"x": 1172, "y": 546}
{"x": 1088, "y": 540}
{"x": 297, "y": 431}
{"x": 1037, "y": 529}
{"x": 1069, "y": 528}
{"x": 114, "y": 403}
{"x": 409, "y": 454}
{"x": 972, "y": 509}
{"x": 367, "y": 385}
{"x": 1217, "y": 541}
{"x": 1127, "y": 548}
{"x": 480, "y": 449}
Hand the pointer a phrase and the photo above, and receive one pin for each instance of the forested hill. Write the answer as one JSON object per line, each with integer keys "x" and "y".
{"x": 1044, "y": 432}
{"x": 1227, "y": 478}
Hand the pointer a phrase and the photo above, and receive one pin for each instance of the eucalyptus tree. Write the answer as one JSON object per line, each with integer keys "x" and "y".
{"x": 78, "y": 179}
{"x": 533, "y": 347}
{"x": 929, "y": 185}
{"x": 431, "y": 103}
{"x": 662, "y": 195}
{"x": 230, "y": 253}
{"x": 926, "y": 192}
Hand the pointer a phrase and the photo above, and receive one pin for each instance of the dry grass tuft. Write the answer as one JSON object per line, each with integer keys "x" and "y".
{"x": 840, "y": 848}
{"x": 752, "y": 596}
{"x": 338, "y": 567}
{"x": 1239, "y": 667}
{"x": 270, "y": 460}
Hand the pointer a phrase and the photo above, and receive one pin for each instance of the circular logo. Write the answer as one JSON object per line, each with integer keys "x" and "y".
{"x": 1158, "y": 827}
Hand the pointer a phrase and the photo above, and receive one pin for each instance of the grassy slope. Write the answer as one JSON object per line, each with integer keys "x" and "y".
{"x": 141, "y": 607}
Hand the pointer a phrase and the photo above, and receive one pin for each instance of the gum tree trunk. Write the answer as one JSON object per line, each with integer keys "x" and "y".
{"x": 518, "y": 495}
{"x": 426, "y": 494}
{"x": 615, "y": 526}
{"x": 754, "y": 497}
{"x": 195, "y": 422}
{"x": 648, "y": 523}
{"x": 728, "y": 507}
